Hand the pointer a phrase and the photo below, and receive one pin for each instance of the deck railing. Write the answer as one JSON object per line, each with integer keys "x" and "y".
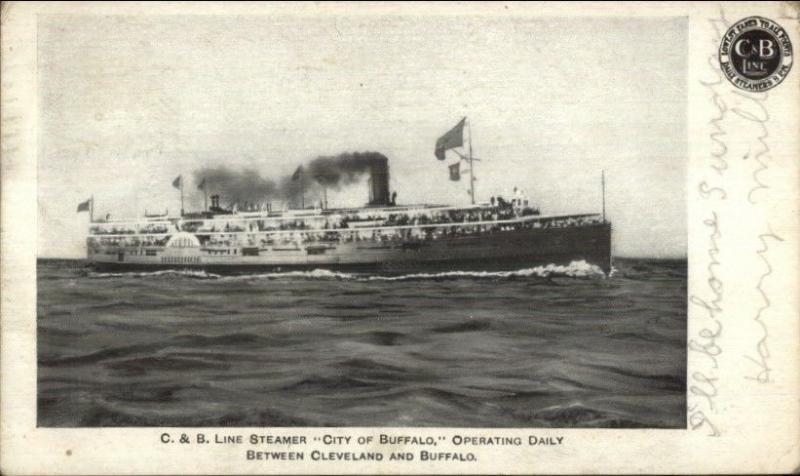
{"x": 382, "y": 233}
{"x": 522, "y": 219}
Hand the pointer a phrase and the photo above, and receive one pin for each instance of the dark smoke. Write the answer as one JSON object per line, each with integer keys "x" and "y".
{"x": 344, "y": 169}
{"x": 332, "y": 172}
{"x": 236, "y": 186}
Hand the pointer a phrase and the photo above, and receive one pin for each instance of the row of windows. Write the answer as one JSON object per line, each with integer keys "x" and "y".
{"x": 138, "y": 252}
{"x": 180, "y": 259}
{"x": 222, "y": 252}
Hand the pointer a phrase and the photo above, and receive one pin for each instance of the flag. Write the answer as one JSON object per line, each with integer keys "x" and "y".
{"x": 453, "y": 138}
{"x": 455, "y": 172}
{"x": 178, "y": 182}
{"x": 85, "y": 206}
{"x": 297, "y": 174}
{"x": 202, "y": 185}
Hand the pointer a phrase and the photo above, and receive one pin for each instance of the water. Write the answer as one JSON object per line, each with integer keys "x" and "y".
{"x": 542, "y": 347}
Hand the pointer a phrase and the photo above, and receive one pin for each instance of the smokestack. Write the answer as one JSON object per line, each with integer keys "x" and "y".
{"x": 326, "y": 172}
{"x": 379, "y": 182}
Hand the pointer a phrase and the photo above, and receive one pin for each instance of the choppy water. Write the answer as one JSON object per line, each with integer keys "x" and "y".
{"x": 541, "y": 347}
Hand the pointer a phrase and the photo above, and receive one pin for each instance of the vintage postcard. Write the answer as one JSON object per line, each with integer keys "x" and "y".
{"x": 400, "y": 238}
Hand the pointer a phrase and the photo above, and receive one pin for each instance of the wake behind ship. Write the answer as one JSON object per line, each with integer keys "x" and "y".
{"x": 381, "y": 237}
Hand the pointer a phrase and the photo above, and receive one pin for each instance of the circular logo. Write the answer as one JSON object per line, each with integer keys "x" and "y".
{"x": 755, "y": 54}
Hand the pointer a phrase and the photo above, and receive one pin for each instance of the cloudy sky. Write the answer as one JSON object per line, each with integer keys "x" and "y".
{"x": 128, "y": 103}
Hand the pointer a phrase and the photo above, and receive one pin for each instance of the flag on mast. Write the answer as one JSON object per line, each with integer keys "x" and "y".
{"x": 84, "y": 206}
{"x": 455, "y": 172}
{"x": 452, "y": 139}
{"x": 202, "y": 187}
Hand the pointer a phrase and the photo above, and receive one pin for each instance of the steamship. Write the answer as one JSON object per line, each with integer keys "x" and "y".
{"x": 382, "y": 236}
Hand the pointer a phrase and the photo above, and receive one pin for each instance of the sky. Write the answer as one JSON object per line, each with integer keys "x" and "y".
{"x": 128, "y": 103}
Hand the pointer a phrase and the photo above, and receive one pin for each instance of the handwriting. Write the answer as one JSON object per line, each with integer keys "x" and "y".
{"x": 698, "y": 419}
{"x": 763, "y": 376}
{"x": 702, "y": 384}
{"x": 708, "y": 346}
{"x": 706, "y": 340}
{"x": 720, "y": 164}
{"x": 708, "y": 390}
{"x": 760, "y": 117}
{"x": 706, "y": 190}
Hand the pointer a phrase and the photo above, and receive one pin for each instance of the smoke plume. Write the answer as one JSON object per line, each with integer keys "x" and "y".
{"x": 344, "y": 169}
{"x": 332, "y": 172}
{"x": 236, "y": 186}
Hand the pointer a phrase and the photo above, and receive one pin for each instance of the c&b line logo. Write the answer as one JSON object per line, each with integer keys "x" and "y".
{"x": 755, "y": 54}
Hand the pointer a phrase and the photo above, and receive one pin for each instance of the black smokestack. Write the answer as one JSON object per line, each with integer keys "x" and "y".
{"x": 379, "y": 183}
{"x": 344, "y": 169}
{"x": 347, "y": 168}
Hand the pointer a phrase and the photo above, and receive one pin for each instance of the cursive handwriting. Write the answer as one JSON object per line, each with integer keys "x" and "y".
{"x": 706, "y": 342}
{"x": 708, "y": 346}
{"x": 720, "y": 164}
{"x": 707, "y": 389}
{"x": 702, "y": 383}
{"x": 707, "y": 190}
{"x": 760, "y": 116}
{"x": 762, "y": 350}
{"x": 754, "y": 110}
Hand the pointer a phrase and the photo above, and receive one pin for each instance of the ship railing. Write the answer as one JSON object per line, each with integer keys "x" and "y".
{"x": 352, "y": 214}
{"x": 544, "y": 219}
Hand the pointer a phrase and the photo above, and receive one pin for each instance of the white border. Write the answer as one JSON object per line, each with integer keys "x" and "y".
{"x": 758, "y": 423}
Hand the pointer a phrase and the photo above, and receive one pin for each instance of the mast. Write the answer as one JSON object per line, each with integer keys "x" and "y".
{"x": 205, "y": 197}
{"x": 91, "y": 209}
{"x": 181, "y": 197}
{"x": 603, "y": 192}
{"x": 471, "y": 167}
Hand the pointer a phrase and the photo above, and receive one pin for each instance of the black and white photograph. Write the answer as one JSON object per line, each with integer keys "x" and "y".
{"x": 399, "y": 222}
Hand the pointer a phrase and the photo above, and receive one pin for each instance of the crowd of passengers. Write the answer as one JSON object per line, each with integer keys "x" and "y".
{"x": 340, "y": 222}
{"x": 128, "y": 230}
{"x": 143, "y": 241}
{"x": 457, "y": 229}
{"x": 498, "y": 210}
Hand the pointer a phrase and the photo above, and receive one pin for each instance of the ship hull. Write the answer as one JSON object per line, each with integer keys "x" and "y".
{"x": 502, "y": 250}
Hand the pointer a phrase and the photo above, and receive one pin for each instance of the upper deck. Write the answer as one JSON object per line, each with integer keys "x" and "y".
{"x": 361, "y": 219}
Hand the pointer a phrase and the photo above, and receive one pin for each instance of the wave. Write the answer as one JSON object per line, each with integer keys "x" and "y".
{"x": 576, "y": 269}
{"x": 186, "y": 273}
{"x": 321, "y": 274}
